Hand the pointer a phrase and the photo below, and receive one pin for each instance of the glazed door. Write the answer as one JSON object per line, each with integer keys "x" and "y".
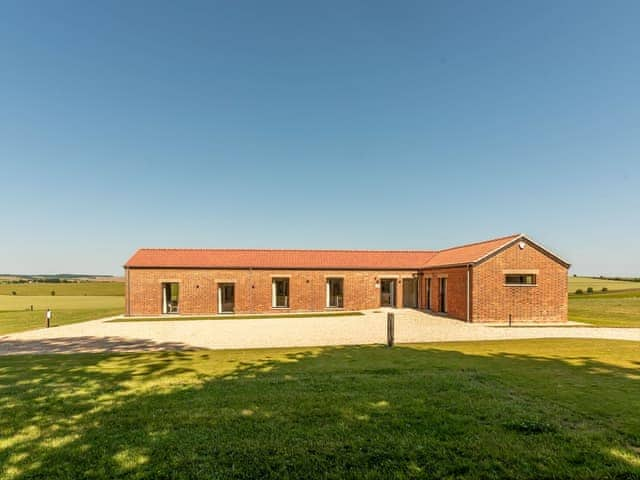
{"x": 387, "y": 292}
{"x": 410, "y": 292}
{"x": 226, "y": 298}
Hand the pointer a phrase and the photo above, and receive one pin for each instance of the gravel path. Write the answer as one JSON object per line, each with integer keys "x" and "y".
{"x": 411, "y": 327}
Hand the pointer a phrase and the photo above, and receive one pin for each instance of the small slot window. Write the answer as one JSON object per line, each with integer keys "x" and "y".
{"x": 520, "y": 279}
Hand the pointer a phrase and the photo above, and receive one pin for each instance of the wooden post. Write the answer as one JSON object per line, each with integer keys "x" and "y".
{"x": 390, "y": 329}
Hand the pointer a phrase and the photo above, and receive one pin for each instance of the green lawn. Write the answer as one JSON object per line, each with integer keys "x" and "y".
{"x": 514, "y": 409}
{"x": 73, "y": 289}
{"x": 617, "y": 309}
{"x": 236, "y": 317}
{"x": 88, "y": 302}
{"x": 11, "y": 322}
{"x": 597, "y": 284}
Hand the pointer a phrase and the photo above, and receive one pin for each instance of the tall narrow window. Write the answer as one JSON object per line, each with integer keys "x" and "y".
{"x": 170, "y": 293}
{"x": 428, "y": 293}
{"x": 443, "y": 295}
{"x": 335, "y": 292}
{"x": 280, "y": 293}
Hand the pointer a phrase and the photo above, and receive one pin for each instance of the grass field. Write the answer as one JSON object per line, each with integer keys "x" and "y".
{"x": 597, "y": 284}
{"x": 516, "y": 409}
{"x": 76, "y": 302}
{"x": 73, "y": 289}
{"x": 616, "y": 309}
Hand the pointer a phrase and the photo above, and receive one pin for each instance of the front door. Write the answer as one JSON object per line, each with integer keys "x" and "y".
{"x": 410, "y": 292}
{"x": 226, "y": 298}
{"x": 387, "y": 292}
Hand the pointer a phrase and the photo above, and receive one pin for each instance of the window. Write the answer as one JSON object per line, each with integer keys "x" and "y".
{"x": 520, "y": 279}
{"x": 280, "y": 293}
{"x": 443, "y": 295}
{"x": 170, "y": 293}
{"x": 335, "y": 292}
{"x": 387, "y": 292}
{"x": 428, "y": 293}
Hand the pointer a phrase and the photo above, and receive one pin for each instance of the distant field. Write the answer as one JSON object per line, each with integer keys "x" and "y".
{"x": 42, "y": 302}
{"x": 618, "y": 309}
{"x": 73, "y": 302}
{"x": 598, "y": 284}
{"x": 11, "y": 322}
{"x": 77, "y": 289}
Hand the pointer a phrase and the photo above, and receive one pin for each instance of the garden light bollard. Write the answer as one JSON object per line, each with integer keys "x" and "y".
{"x": 390, "y": 329}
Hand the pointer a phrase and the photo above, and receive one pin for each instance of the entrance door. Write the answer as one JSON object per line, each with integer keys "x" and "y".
{"x": 410, "y": 292}
{"x": 443, "y": 295}
{"x": 226, "y": 297}
{"x": 387, "y": 292}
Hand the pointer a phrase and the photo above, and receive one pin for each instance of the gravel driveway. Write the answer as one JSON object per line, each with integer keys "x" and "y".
{"x": 411, "y": 327}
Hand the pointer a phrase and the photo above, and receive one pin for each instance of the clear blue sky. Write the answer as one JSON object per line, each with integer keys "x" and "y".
{"x": 384, "y": 125}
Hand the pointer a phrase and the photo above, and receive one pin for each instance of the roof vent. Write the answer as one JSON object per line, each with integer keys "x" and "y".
{"x": 522, "y": 245}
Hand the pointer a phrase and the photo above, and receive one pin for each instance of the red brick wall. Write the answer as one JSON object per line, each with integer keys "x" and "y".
{"x": 493, "y": 301}
{"x": 456, "y": 291}
{"x": 307, "y": 289}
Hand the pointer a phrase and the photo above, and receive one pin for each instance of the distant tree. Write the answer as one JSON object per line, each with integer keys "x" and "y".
{"x": 14, "y": 293}
{"x": 590, "y": 290}
{"x": 605, "y": 289}
{"x": 53, "y": 293}
{"x": 579, "y": 291}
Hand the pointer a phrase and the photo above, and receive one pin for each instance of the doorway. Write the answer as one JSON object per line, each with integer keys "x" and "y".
{"x": 410, "y": 292}
{"x": 226, "y": 298}
{"x": 387, "y": 292}
{"x": 443, "y": 295}
{"x": 170, "y": 293}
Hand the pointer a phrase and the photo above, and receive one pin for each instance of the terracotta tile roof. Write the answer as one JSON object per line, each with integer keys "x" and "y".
{"x": 470, "y": 253}
{"x": 320, "y": 259}
{"x": 230, "y": 258}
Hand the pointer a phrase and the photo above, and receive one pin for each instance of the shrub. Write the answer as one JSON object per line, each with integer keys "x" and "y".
{"x": 579, "y": 291}
{"x": 605, "y": 289}
{"x": 14, "y": 293}
{"x": 589, "y": 290}
{"x": 53, "y": 293}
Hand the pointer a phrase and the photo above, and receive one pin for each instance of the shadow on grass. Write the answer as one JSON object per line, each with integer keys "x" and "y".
{"x": 327, "y": 412}
{"x": 85, "y": 344}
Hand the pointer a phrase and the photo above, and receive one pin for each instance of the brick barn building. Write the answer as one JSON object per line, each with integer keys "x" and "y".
{"x": 479, "y": 282}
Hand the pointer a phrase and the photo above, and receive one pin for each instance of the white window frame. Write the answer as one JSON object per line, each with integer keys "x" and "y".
{"x": 328, "y": 291}
{"x": 274, "y": 297}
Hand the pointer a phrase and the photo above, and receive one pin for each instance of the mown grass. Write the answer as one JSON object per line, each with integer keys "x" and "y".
{"x": 19, "y": 321}
{"x": 616, "y": 309}
{"x": 73, "y": 289}
{"x": 236, "y": 317}
{"x": 59, "y": 303}
{"x": 511, "y": 409}
{"x": 598, "y": 284}
{"x": 16, "y": 313}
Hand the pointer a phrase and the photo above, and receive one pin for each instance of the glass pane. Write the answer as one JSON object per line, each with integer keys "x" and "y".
{"x": 282, "y": 292}
{"x": 335, "y": 292}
